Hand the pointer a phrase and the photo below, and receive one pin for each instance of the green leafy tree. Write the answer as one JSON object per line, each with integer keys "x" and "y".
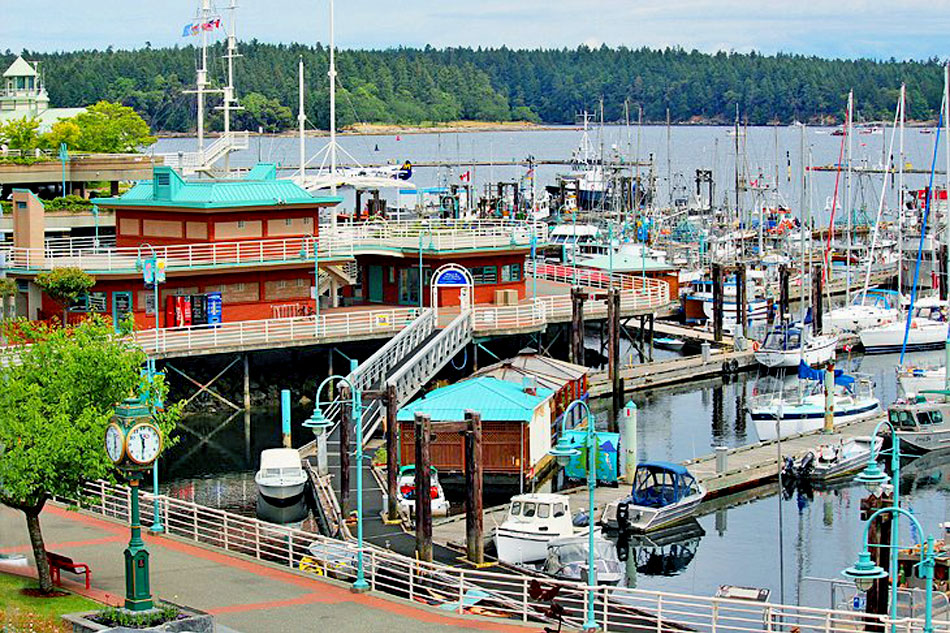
{"x": 21, "y": 134}
{"x": 54, "y": 408}
{"x": 112, "y": 128}
{"x": 65, "y": 285}
{"x": 259, "y": 111}
{"x": 64, "y": 131}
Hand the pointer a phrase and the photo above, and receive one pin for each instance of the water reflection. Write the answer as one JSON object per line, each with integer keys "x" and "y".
{"x": 666, "y": 552}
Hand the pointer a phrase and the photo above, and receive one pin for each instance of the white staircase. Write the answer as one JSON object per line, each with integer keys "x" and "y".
{"x": 202, "y": 161}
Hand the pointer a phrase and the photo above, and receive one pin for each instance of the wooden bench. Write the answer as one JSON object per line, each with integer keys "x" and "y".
{"x": 58, "y": 562}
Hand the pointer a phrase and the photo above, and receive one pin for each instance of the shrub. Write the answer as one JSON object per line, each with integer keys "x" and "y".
{"x": 113, "y": 616}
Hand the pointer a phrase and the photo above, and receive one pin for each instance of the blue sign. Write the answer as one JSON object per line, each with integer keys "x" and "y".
{"x": 451, "y": 277}
{"x": 606, "y": 455}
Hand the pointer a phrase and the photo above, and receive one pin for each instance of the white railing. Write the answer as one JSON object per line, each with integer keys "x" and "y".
{"x": 504, "y": 594}
{"x": 343, "y": 242}
{"x": 263, "y": 332}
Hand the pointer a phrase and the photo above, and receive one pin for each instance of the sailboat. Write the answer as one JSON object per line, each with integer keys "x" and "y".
{"x": 927, "y": 330}
{"x": 869, "y": 308}
{"x": 789, "y": 344}
{"x": 802, "y": 409}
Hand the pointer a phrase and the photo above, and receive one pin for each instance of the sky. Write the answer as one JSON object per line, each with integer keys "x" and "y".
{"x": 904, "y": 29}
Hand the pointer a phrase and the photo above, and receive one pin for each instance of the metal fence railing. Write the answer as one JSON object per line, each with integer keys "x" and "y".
{"x": 498, "y": 593}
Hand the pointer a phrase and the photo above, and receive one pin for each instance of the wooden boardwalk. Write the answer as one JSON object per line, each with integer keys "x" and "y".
{"x": 671, "y": 372}
{"x": 747, "y": 467}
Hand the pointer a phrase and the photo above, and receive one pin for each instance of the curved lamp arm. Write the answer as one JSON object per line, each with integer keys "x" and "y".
{"x": 893, "y": 510}
{"x": 588, "y": 415}
{"x": 319, "y": 403}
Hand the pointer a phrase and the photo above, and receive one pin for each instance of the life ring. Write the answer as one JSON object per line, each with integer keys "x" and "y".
{"x": 755, "y": 346}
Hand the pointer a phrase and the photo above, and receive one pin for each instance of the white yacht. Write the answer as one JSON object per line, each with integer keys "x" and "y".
{"x": 870, "y": 309}
{"x": 928, "y": 330}
{"x": 533, "y": 521}
{"x": 922, "y": 380}
{"x": 281, "y": 478}
{"x": 836, "y": 459}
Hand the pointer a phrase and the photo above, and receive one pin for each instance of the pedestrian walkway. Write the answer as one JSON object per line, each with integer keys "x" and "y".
{"x": 242, "y": 594}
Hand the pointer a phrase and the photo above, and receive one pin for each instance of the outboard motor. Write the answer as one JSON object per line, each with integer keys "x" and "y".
{"x": 789, "y": 472}
{"x": 807, "y": 465}
{"x": 623, "y": 517}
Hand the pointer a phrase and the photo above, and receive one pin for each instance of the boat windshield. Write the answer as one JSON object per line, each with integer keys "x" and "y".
{"x": 515, "y": 508}
{"x": 781, "y": 339}
{"x": 577, "y": 552}
{"x": 902, "y": 418}
{"x": 657, "y": 488}
{"x": 529, "y": 509}
{"x": 929, "y": 417}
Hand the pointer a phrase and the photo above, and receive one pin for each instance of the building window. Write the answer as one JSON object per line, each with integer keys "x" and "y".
{"x": 288, "y": 222}
{"x": 240, "y": 224}
{"x": 163, "y": 180}
{"x": 482, "y": 275}
{"x": 301, "y": 283}
{"x": 307, "y": 221}
{"x": 20, "y": 204}
{"x": 282, "y": 283}
{"x": 511, "y": 272}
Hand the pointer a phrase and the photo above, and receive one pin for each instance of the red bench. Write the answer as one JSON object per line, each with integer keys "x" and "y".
{"x": 58, "y": 562}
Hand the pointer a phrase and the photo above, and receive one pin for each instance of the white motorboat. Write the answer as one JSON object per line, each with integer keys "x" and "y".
{"x": 669, "y": 342}
{"x": 922, "y": 426}
{"x": 928, "y": 330}
{"x": 835, "y": 459}
{"x": 567, "y": 559}
{"x": 281, "y": 478}
{"x": 871, "y": 309}
{"x": 802, "y": 410}
{"x": 533, "y": 521}
{"x": 663, "y": 494}
{"x": 789, "y": 345}
{"x": 406, "y": 492}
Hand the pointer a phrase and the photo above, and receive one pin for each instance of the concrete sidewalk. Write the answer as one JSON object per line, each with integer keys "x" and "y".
{"x": 243, "y": 594}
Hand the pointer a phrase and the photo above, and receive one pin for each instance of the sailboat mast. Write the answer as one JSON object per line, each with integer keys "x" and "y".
{"x": 847, "y": 196}
{"x": 900, "y": 198}
{"x": 202, "y": 82}
{"x": 229, "y": 89}
{"x": 332, "y": 75}
{"x": 946, "y": 209}
{"x": 669, "y": 162}
{"x": 737, "y": 173}
{"x": 301, "y": 121}
{"x": 804, "y": 226}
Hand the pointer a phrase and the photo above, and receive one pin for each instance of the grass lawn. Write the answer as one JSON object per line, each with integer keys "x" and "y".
{"x": 12, "y": 599}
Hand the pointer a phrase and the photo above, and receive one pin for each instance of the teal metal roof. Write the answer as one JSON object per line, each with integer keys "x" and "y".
{"x": 497, "y": 401}
{"x": 259, "y": 188}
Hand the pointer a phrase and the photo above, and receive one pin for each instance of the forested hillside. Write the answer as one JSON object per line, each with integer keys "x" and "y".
{"x": 412, "y": 86}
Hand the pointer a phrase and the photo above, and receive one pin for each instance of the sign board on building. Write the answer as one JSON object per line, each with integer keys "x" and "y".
{"x": 451, "y": 278}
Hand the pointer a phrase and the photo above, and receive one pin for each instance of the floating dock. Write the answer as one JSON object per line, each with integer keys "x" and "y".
{"x": 746, "y": 467}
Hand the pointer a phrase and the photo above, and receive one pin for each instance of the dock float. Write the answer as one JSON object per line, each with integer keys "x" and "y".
{"x": 746, "y": 467}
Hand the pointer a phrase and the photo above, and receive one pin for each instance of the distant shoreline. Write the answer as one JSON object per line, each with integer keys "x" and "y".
{"x": 463, "y": 127}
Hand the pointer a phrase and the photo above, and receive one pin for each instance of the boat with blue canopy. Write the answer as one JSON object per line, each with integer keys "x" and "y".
{"x": 663, "y": 494}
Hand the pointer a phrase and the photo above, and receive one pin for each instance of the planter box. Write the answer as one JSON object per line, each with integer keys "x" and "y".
{"x": 194, "y": 622}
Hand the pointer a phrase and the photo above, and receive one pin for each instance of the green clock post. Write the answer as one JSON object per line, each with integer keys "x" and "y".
{"x": 133, "y": 443}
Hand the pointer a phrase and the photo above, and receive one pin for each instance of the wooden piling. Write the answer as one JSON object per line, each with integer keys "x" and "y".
{"x": 742, "y": 311}
{"x": 247, "y": 406}
{"x": 475, "y": 546}
{"x": 577, "y": 326}
{"x": 346, "y": 413}
{"x": 423, "y": 429}
{"x": 613, "y": 351}
{"x": 943, "y": 268}
{"x": 878, "y": 532}
{"x": 816, "y": 301}
{"x": 717, "y": 302}
{"x": 392, "y": 451}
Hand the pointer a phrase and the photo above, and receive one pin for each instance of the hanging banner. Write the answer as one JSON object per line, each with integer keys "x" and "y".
{"x": 195, "y": 28}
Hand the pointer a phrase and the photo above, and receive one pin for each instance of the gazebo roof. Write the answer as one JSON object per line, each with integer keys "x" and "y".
{"x": 20, "y": 68}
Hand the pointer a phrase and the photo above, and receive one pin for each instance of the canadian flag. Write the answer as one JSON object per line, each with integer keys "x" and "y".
{"x": 466, "y": 177}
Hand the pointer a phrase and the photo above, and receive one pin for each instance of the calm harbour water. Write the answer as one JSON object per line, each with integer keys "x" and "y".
{"x": 740, "y": 544}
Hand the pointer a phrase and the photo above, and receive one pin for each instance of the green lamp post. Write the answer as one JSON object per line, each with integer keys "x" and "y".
{"x": 133, "y": 443}
{"x": 562, "y": 453}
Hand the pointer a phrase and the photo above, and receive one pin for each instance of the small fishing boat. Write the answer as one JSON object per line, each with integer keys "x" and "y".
{"x": 802, "y": 409}
{"x": 281, "y": 478}
{"x": 567, "y": 560}
{"x": 669, "y": 342}
{"x": 788, "y": 345}
{"x": 533, "y": 521}
{"x": 663, "y": 494}
{"x": 928, "y": 381}
{"x": 406, "y": 492}
{"x": 922, "y": 426}
{"x": 833, "y": 459}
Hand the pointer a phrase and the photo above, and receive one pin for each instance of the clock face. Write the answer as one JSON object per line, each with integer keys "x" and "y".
{"x": 115, "y": 443}
{"x": 144, "y": 443}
